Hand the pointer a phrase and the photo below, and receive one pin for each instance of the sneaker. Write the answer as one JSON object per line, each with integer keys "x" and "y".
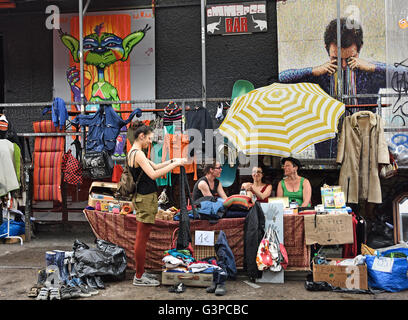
{"x": 75, "y": 292}
{"x": 90, "y": 282}
{"x": 65, "y": 293}
{"x": 84, "y": 292}
{"x": 91, "y": 290}
{"x": 145, "y": 281}
{"x": 99, "y": 282}
{"x": 151, "y": 276}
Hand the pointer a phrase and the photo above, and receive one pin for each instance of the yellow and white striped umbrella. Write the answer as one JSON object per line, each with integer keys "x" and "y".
{"x": 281, "y": 119}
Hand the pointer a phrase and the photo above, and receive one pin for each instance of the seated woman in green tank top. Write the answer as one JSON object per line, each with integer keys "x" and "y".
{"x": 294, "y": 186}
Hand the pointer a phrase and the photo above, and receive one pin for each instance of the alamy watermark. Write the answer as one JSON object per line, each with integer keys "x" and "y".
{"x": 53, "y": 20}
{"x": 204, "y": 150}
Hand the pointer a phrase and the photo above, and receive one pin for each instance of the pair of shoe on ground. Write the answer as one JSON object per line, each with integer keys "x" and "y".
{"x": 80, "y": 290}
{"x": 218, "y": 289}
{"x": 49, "y": 294}
{"x": 45, "y": 289}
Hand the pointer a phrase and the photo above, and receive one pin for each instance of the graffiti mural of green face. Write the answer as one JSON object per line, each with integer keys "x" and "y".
{"x": 104, "y": 50}
{"x": 101, "y": 49}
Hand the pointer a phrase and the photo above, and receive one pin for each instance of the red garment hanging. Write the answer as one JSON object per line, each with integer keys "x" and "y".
{"x": 117, "y": 173}
{"x": 176, "y": 146}
{"x": 350, "y": 249}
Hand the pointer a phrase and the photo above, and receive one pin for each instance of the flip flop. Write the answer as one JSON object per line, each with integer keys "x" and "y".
{"x": 34, "y": 291}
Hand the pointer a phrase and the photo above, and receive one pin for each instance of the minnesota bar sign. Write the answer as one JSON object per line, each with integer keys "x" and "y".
{"x": 239, "y": 18}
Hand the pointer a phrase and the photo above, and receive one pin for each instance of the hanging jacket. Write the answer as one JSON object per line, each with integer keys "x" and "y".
{"x": 184, "y": 235}
{"x": 254, "y": 230}
{"x": 199, "y": 118}
{"x": 176, "y": 145}
{"x": 59, "y": 112}
{"x": 104, "y": 127}
{"x": 362, "y": 148}
{"x": 225, "y": 257}
{"x": 8, "y": 176}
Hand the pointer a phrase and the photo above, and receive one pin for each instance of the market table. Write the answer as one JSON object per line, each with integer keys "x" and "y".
{"x": 121, "y": 230}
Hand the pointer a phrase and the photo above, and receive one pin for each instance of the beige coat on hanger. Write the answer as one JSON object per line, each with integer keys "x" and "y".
{"x": 361, "y": 149}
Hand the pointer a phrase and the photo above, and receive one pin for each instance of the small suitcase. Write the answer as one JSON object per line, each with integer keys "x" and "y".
{"x": 188, "y": 278}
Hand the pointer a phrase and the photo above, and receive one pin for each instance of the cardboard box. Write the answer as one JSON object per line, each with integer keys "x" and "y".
{"x": 103, "y": 192}
{"x": 328, "y": 229}
{"x": 348, "y": 277}
{"x": 14, "y": 240}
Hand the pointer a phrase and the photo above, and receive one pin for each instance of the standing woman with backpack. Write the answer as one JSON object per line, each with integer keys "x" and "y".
{"x": 145, "y": 173}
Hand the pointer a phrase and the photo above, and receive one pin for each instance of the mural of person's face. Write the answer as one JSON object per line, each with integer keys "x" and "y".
{"x": 346, "y": 53}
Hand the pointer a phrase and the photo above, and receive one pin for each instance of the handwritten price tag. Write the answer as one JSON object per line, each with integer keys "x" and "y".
{"x": 383, "y": 264}
{"x": 204, "y": 238}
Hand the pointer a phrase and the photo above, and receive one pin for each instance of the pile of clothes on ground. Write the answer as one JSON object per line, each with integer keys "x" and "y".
{"x": 78, "y": 273}
{"x": 222, "y": 267}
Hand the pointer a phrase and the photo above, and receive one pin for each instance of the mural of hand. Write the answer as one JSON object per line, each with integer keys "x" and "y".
{"x": 73, "y": 78}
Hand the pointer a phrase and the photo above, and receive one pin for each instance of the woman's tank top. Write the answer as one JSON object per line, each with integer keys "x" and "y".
{"x": 197, "y": 192}
{"x": 262, "y": 191}
{"x": 145, "y": 185}
{"x": 296, "y": 195}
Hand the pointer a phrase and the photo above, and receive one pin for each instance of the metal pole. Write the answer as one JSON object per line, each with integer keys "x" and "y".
{"x": 203, "y": 71}
{"x": 339, "y": 68}
{"x": 81, "y": 69}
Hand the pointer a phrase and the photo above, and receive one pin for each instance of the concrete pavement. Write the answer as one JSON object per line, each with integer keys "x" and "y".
{"x": 19, "y": 266}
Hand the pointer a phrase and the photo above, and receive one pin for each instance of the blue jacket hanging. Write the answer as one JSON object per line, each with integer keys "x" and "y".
{"x": 59, "y": 112}
{"x": 225, "y": 256}
{"x": 104, "y": 127}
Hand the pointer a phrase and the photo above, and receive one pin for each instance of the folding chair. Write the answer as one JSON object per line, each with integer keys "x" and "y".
{"x": 47, "y": 160}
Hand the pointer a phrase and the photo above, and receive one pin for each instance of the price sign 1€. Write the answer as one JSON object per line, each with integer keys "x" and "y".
{"x": 204, "y": 238}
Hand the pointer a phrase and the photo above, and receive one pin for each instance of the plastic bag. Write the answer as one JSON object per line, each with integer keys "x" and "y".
{"x": 16, "y": 228}
{"x": 107, "y": 259}
{"x": 389, "y": 274}
{"x": 398, "y": 146}
{"x": 263, "y": 257}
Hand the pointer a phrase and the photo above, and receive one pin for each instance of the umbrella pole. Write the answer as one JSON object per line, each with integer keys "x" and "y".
{"x": 339, "y": 68}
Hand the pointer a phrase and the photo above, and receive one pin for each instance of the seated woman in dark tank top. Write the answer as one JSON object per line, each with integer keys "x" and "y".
{"x": 209, "y": 185}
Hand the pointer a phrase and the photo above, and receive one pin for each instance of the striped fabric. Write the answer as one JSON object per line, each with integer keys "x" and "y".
{"x": 47, "y": 157}
{"x": 121, "y": 230}
{"x": 281, "y": 119}
{"x": 239, "y": 201}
